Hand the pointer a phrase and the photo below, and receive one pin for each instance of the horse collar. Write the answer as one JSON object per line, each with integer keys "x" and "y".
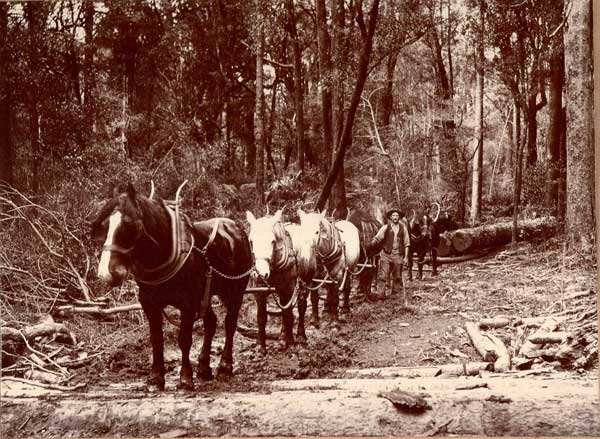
{"x": 183, "y": 243}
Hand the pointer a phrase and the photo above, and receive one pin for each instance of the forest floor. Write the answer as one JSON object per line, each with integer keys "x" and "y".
{"x": 334, "y": 384}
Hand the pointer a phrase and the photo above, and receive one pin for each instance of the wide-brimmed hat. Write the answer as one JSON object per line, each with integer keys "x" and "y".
{"x": 389, "y": 213}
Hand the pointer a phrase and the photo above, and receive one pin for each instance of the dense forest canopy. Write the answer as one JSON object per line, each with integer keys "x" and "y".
{"x": 482, "y": 104}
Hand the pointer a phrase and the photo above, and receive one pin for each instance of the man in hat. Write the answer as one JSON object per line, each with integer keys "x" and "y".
{"x": 393, "y": 241}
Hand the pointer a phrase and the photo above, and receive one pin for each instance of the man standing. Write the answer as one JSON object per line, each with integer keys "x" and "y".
{"x": 393, "y": 240}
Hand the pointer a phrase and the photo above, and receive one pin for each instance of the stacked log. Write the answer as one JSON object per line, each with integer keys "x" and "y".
{"x": 465, "y": 241}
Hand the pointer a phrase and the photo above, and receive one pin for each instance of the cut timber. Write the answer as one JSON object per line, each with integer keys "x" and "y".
{"x": 541, "y": 337}
{"x": 495, "y": 235}
{"x": 466, "y": 369}
{"x": 42, "y": 329}
{"x": 567, "y": 407}
{"x": 489, "y": 347}
{"x": 496, "y": 322}
{"x": 532, "y": 350}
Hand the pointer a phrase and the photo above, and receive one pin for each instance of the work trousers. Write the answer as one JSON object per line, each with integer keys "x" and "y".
{"x": 390, "y": 265}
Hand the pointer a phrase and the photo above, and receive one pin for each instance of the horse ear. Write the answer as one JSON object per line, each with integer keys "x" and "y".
{"x": 324, "y": 213}
{"x": 301, "y": 214}
{"x": 250, "y": 217}
{"x": 278, "y": 215}
{"x": 131, "y": 192}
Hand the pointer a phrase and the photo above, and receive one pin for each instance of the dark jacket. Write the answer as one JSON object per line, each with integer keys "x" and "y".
{"x": 385, "y": 238}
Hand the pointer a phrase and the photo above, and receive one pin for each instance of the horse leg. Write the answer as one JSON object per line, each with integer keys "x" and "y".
{"x": 225, "y": 368}
{"x": 185, "y": 343}
{"x": 332, "y": 302}
{"x": 210, "y": 326}
{"x": 302, "y": 305}
{"x": 420, "y": 263}
{"x": 261, "y": 320}
{"x": 346, "y": 294}
{"x": 409, "y": 265}
{"x": 434, "y": 271}
{"x": 287, "y": 317}
{"x": 156, "y": 378}
{"x": 314, "y": 302}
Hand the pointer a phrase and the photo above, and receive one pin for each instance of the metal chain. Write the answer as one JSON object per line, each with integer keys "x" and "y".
{"x": 220, "y": 273}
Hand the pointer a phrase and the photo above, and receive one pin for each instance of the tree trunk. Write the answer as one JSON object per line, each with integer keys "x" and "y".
{"x": 89, "y": 75}
{"x": 580, "y": 134}
{"x": 6, "y": 144}
{"x": 346, "y": 137}
{"x": 338, "y": 198}
{"x": 387, "y": 97}
{"x": 298, "y": 83}
{"x": 325, "y": 72}
{"x": 531, "y": 121}
{"x": 556, "y": 125}
{"x": 259, "y": 124}
{"x": 35, "y": 21}
{"x": 466, "y": 241}
{"x": 477, "y": 182}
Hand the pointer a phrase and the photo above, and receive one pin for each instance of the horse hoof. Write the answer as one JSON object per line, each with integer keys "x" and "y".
{"x": 301, "y": 340}
{"x": 155, "y": 385}
{"x": 315, "y": 323}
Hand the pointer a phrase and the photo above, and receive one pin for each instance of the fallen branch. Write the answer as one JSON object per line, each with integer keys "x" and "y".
{"x": 489, "y": 347}
{"x": 40, "y": 330}
{"x": 45, "y": 386}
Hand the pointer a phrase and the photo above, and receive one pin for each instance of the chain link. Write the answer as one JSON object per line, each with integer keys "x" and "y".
{"x": 220, "y": 273}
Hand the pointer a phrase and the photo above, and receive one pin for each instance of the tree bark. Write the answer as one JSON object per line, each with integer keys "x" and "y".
{"x": 338, "y": 198}
{"x": 471, "y": 240}
{"x": 556, "y": 123}
{"x": 477, "y": 181}
{"x": 580, "y": 221}
{"x": 6, "y": 144}
{"x": 346, "y": 137}
{"x": 387, "y": 97}
{"x": 35, "y": 14}
{"x": 298, "y": 83}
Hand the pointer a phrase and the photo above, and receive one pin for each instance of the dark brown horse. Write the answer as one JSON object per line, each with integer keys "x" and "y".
{"x": 367, "y": 226}
{"x": 180, "y": 264}
{"x": 425, "y": 231}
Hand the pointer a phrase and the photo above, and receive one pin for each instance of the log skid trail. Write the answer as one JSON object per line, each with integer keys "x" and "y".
{"x": 352, "y": 380}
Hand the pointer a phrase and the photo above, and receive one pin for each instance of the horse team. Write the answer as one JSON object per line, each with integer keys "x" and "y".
{"x": 180, "y": 263}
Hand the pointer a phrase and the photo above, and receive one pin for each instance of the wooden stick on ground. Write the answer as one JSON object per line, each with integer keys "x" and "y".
{"x": 489, "y": 347}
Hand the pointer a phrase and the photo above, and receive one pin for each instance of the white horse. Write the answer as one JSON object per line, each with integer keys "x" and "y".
{"x": 306, "y": 256}
{"x": 338, "y": 250}
{"x": 275, "y": 263}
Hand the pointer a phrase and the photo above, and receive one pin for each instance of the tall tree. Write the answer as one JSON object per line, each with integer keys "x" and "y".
{"x": 298, "y": 82}
{"x": 346, "y": 136}
{"x": 478, "y": 158}
{"x": 325, "y": 79}
{"x": 6, "y": 143}
{"x": 580, "y": 219}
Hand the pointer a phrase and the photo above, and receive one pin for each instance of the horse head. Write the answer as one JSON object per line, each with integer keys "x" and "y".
{"x": 264, "y": 234}
{"x": 122, "y": 226}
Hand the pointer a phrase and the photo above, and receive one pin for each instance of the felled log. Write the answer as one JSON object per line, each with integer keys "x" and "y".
{"x": 496, "y": 322}
{"x": 541, "y": 337}
{"x": 39, "y": 330}
{"x": 532, "y": 350}
{"x": 465, "y": 369}
{"x": 495, "y": 235}
{"x": 489, "y": 347}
